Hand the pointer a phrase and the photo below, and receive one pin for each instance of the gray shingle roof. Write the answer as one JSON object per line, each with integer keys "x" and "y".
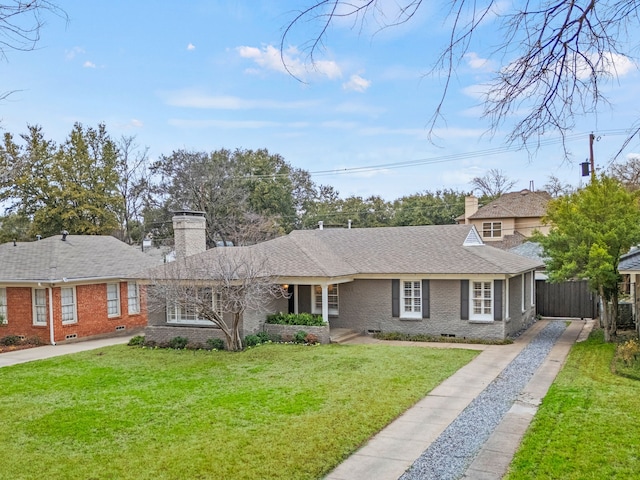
{"x": 79, "y": 258}
{"x": 630, "y": 262}
{"x": 422, "y": 250}
{"x": 515, "y": 205}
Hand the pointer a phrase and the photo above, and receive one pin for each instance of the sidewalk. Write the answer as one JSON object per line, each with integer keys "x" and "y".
{"x": 389, "y": 453}
{"x": 48, "y": 351}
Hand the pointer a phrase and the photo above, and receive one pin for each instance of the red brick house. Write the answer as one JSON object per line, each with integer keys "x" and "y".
{"x": 65, "y": 288}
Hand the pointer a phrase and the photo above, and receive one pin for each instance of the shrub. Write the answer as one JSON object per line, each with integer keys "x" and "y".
{"x": 215, "y": 344}
{"x": 10, "y": 340}
{"x": 311, "y": 339}
{"x": 300, "y": 337}
{"x": 629, "y": 351}
{"x": 306, "y": 319}
{"x": 264, "y": 337}
{"x": 136, "y": 341}
{"x": 32, "y": 341}
{"x": 251, "y": 341}
{"x": 178, "y": 343}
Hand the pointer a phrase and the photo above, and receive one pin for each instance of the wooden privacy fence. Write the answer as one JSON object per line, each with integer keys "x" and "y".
{"x": 566, "y": 299}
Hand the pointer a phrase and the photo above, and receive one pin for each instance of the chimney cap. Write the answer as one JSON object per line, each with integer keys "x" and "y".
{"x": 188, "y": 213}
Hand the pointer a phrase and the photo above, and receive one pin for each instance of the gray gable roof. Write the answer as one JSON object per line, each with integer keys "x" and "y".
{"x": 79, "y": 258}
{"x": 630, "y": 262}
{"x": 524, "y": 203}
{"x": 421, "y": 250}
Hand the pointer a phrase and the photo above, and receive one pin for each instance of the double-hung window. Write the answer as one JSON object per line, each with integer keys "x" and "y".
{"x": 113, "y": 299}
{"x": 482, "y": 300}
{"x": 492, "y": 229}
{"x": 192, "y": 310}
{"x": 133, "y": 298}
{"x": 3, "y": 306}
{"x": 411, "y": 299}
{"x": 68, "y": 302}
{"x": 39, "y": 306}
{"x": 332, "y": 291}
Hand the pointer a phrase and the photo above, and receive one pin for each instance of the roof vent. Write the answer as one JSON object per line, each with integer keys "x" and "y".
{"x": 473, "y": 238}
{"x": 64, "y": 235}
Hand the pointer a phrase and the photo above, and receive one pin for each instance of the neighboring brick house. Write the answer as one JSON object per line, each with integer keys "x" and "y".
{"x": 438, "y": 280}
{"x": 508, "y": 220}
{"x": 61, "y": 289}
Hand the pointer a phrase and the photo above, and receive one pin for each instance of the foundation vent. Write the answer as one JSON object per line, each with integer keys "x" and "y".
{"x": 71, "y": 336}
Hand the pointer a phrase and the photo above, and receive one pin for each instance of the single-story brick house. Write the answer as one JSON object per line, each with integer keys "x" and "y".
{"x": 438, "y": 280}
{"x": 68, "y": 287}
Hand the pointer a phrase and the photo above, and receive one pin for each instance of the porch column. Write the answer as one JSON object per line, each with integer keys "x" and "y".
{"x": 325, "y": 303}
{"x": 295, "y": 299}
{"x": 506, "y": 299}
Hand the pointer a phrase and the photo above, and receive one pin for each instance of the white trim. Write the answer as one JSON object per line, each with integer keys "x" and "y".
{"x": 133, "y": 300}
{"x": 412, "y": 302}
{"x": 523, "y": 279}
{"x": 111, "y": 311}
{"x": 483, "y": 316}
{"x": 507, "y": 300}
{"x": 3, "y": 306}
{"x": 74, "y": 306}
{"x": 533, "y": 285}
{"x": 39, "y": 310}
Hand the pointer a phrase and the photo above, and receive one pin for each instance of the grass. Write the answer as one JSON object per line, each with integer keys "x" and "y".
{"x": 587, "y": 426}
{"x": 272, "y": 412}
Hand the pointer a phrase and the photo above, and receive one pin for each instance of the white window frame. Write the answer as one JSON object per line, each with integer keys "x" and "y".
{"x": 410, "y": 298}
{"x": 133, "y": 298}
{"x": 482, "y": 301}
{"x": 333, "y": 295}
{"x": 69, "y": 310}
{"x": 39, "y": 306}
{"x": 3, "y": 306}
{"x": 491, "y": 229}
{"x": 113, "y": 300}
{"x": 523, "y": 291}
{"x": 181, "y": 314}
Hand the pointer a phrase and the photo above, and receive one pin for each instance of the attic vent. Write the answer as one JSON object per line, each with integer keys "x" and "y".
{"x": 120, "y": 327}
{"x": 473, "y": 238}
{"x": 71, "y": 336}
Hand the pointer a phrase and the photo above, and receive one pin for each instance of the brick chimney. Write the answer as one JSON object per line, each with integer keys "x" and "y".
{"x": 470, "y": 207}
{"x": 189, "y": 232}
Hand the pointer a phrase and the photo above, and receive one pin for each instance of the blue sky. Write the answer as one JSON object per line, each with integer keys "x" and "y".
{"x": 205, "y": 75}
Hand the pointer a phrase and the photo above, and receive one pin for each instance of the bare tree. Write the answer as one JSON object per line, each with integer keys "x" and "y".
{"x": 21, "y": 21}
{"x": 493, "y": 183}
{"x": 133, "y": 184}
{"x": 628, "y": 172}
{"x": 556, "y": 188}
{"x": 555, "y": 55}
{"x": 219, "y": 287}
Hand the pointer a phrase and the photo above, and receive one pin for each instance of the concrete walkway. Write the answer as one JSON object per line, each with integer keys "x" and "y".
{"x": 48, "y": 351}
{"x": 394, "y": 449}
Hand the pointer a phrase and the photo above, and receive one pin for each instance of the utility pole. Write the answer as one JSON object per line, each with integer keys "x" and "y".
{"x": 591, "y": 160}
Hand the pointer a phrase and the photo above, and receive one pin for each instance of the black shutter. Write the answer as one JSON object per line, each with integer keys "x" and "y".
{"x": 497, "y": 299}
{"x": 425, "y": 299}
{"x": 464, "y": 299}
{"x": 395, "y": 298}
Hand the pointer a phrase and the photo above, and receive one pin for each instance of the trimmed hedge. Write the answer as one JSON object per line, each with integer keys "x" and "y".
{"x": 306, "y": 319}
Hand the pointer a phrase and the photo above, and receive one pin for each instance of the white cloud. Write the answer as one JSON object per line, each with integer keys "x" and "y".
{"x": 357, "y": 84}
{"x": 290, "y": 62}
{"x": 191, "y": 47}
{"x": 196, "y": 99}
{"x": 478, "y": 63}
{"x": 75, "y": 51}
{"x": 89, "y": 64}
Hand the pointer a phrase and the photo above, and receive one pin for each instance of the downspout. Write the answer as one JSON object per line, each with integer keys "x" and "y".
{"x": 51, "y": 334}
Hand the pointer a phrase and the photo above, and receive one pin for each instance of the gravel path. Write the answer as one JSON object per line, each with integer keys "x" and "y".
{"x": 452, "y": 452}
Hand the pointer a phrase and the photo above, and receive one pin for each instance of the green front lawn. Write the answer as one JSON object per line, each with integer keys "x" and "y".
{"x": 276, "y": 411}
{"x": 588, "y": 426}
